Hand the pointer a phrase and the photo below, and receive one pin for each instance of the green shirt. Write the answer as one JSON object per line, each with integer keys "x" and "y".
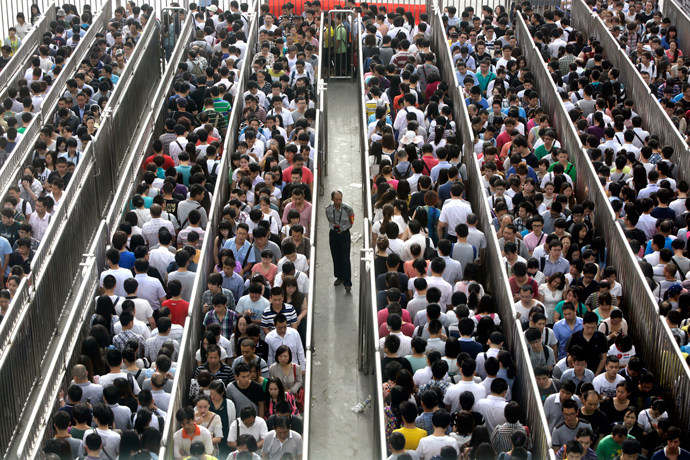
{"x": 541, "y": 151}
{"x": 485, "y": 80}
{"x": 340, "y": 39}
{"x": 609, "y": 449}
{"x": 221, "y": 106}
{"x": 569, "y": 170}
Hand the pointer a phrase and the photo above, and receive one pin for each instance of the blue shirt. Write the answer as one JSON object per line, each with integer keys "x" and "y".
{"x": 482, "y": 103}
{"x": 661, "y": 455}
{"x": 461, "y": 77}
{"x": 127, "y": 260}
{"x": 5, "y": 250}
{"x": 240, "y": 254}
{"x": 563, "y": 333}
{"x": 667, "y": 244}
{"x": 234, "y": 284}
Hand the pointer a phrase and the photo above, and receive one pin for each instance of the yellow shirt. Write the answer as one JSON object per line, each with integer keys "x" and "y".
{"x": 412, "y": 437}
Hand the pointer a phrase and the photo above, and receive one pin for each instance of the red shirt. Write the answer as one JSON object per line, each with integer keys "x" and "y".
{"x": 430, "y": 163}
{"x": 502, "y": 140}
{"x": 168, "y": 163}
{"x": 307, "y": 176}
{"x": 179, "y": 310}
{"x": 407, "y": 329}
{"x": 383, "y": 316}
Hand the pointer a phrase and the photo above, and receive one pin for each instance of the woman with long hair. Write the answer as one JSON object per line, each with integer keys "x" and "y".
{"x": 204, "y": 416}
{"x": 284, "y": 369}
{"x": 275, "y": 394}
{"x": 208, "y": 339}
{"x": 239, "y": 333}
{"x": 105, "y": 308}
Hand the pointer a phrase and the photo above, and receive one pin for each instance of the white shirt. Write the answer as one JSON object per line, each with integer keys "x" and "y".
{"x": 259, "y": 430}
{"x": 601, "y": 385}
{"x": 420, "y": 239}
{"x": 300, "y": 264}
{"x": 108, "y": 379}
{"x": 142, "y": 310}
{"x": 184, "y": 444}
{"x": 430, "y": 446}
{"x": 150, "y": 289}
{"x": 121, "y": 275}
{"x": 39, "y": 225}
{"x": 445, "y": 288}
{"x": 453, "y": 393}
{"x": 150, "y": 230}
{"x": 139, "y": 327}
{"x": 292, "y": 340}
{"x": 405, "y": 343}
{"x": 160, "y": 258}
{"x": 492, "y": 408}
{"x": 454, "y": 212}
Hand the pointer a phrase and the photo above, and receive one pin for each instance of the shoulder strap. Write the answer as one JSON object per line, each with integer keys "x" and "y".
{"x": 542, "y": 263}
{"x": 420, "y": 331}
{"x": 682, "y": 275}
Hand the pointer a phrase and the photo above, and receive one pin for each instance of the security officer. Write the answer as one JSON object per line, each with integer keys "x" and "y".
{"x": 340, "y": 219}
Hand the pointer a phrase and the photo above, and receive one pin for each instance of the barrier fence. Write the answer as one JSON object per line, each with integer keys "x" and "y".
{"x": 22, "y": 360}
{"x": 82, "y": 307}
{"x": 369, "y": 355}
{"x": 493, "y": 270}
{"x": 656, "y": 120}
{"x": 655, "y": 344}
{"x": 193, "y": 325}
{"x": 22, "y": 57}
{"x": 12, "y": 171}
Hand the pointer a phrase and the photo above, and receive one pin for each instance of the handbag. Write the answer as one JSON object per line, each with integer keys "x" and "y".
{"x": 299, "y": 397}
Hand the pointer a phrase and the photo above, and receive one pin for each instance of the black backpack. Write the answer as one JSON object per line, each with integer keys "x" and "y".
{"x": 403, "y": 175}
{"x": 429, "y": 252}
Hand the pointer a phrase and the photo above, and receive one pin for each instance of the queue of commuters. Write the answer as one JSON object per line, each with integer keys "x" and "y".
{"x": 440, "y": 329}
{"x": 247, "y": 395}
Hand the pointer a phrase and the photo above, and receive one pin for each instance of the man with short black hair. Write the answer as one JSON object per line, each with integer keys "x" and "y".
{"x": 244, "y": 392}
{"x": 566, "y": 431}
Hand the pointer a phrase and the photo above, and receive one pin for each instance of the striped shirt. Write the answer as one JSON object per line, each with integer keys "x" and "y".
{"x": 154, "y": 344}
{"x": 225, "y": 373}
{"x": 217, "y": 120}
{"x": 222, "y": 107}
{"x": 269, "y": 315}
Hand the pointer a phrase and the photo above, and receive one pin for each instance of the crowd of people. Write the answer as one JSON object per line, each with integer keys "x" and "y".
{"x": 246, "y": 397}
{"x": 447, "y": 378}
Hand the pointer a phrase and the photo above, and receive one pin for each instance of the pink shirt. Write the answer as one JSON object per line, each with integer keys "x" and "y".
{"x": 270, "y": 275}
{"x": 532, "y": 241}
{"x": 304, "y": 216}
{"x": 383, "y": 316}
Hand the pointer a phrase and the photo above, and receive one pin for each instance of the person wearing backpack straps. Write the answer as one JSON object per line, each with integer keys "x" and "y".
{"x": 108, "y": 439}
{"x": 242, "y": 249}
{"x": 539, "y": 354}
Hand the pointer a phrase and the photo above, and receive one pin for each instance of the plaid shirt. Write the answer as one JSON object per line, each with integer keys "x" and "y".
{"x": 424, "y": 422}
{"x": 120, "y": 341}
{"x": 207, "y": 298}
{"x": 655, "y": 158}
{"x": 442, "y": 384}
{"x": 519, "y": 224}
{"x": 564, "y": 63}
{"x": 226, "y": 326}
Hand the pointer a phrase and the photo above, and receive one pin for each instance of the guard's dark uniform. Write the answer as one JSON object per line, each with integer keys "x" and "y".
{"x": 340, "y": 221}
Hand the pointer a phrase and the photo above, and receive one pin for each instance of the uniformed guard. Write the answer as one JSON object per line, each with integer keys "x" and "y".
{"x": 340, "y": 219}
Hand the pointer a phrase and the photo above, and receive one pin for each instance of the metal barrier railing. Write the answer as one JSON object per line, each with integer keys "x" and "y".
{"x": 655, "y": 344}
{"x": 33, "y": 431}
{"x": 12, "y": 170}
{"x": 369, "y": 355}
{"x": 525, "y": 388}
{"x": 21, "y": 60}
{"x": 68, "y": 244}
{"x": 656, "y": 120}
{"x": 82, "y": 307}
{"x": 193, "y": 326}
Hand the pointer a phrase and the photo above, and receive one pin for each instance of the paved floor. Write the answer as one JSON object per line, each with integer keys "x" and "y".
{"x": 336, "y": 431}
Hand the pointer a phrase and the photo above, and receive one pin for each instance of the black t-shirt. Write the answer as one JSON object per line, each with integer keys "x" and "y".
{"x": 403, "y": 362}
{"x": 593, "y": 349}
{"x": 54, "y": 175}
{"x": 253, "y": 392}
{"x": 171, "y": 206}
{"x": 653, "y": 442}
{"x": 636, "y": 234}
{"x": 613, "y": 415}
{"x": 598, "y": 420}
{"x": 686, "y": 104}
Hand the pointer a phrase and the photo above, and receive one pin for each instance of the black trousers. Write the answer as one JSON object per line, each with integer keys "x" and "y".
{"x": 340, "y": 251}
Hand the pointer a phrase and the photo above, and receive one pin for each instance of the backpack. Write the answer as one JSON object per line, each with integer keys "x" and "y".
{"x": 403, "y": 175}
{"x": 213, "y": 173}
{"x": 196, "y": 69}
{"x": 429, "y": 252}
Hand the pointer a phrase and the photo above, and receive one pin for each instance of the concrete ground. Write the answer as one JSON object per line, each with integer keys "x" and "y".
{"x": 336, "y": 431}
